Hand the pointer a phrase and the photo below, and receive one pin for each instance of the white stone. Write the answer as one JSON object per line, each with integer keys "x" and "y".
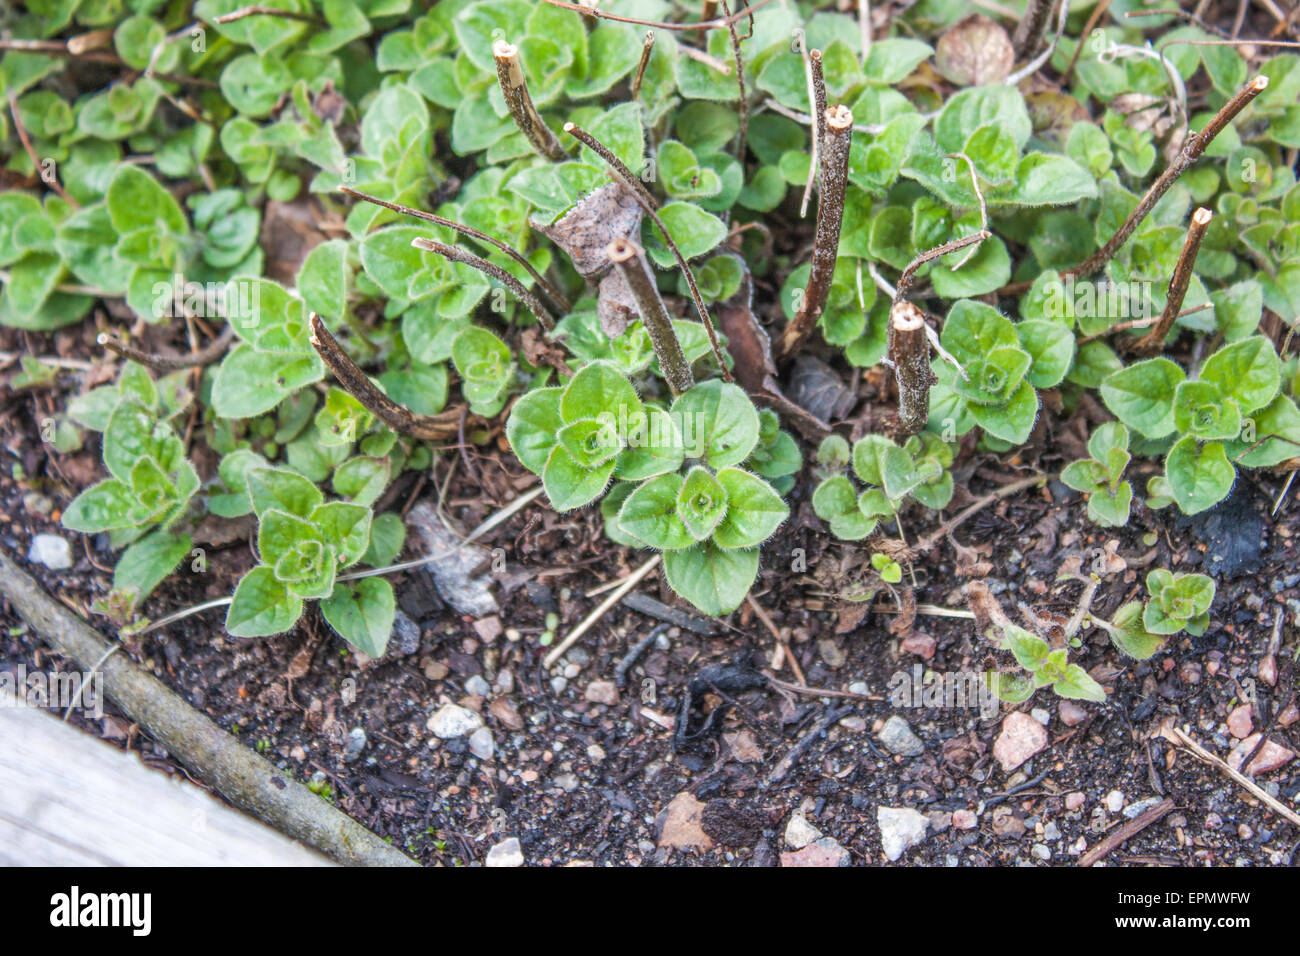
{"x": 900, "y": 828}
{"x": 50, "y": 550}
{"x": 451, "y": 721}
{"x": 505, "y": 853}
{"x": 481, "y": 744}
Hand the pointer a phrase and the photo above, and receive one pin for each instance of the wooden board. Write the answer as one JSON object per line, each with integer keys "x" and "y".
{"x": 67, "y": 799}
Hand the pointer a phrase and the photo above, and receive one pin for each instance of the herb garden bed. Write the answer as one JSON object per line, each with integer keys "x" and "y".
{"x": 942, "y": 369}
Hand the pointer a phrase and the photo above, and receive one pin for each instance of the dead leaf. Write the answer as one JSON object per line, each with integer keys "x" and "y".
{"x": 585, "y": 232}
{"x": 974, "y": 52}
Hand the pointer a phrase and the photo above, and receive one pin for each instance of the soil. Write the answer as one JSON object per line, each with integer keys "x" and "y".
{"x": 584, "y": 773}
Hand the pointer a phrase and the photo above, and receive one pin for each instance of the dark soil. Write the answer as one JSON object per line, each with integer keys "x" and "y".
{"x": 584, "y": 782}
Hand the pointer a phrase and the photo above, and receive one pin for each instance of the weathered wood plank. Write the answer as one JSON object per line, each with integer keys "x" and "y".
{"x": 67, "y": 799}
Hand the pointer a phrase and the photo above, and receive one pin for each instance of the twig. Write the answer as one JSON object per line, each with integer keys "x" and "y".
{"x": 557, "y": 298}
{"x": 663, "y": 25}
{"x": 630, "y": 260}
{"x": 776, "y": 635}
{"x": 630, "y": 179}
{"x": 1195, "y": 147}
{"x": 826, "y": 237}
{"x": 514, "y": 88}
{"x": 1154, "y": 340}
{"x": 631, "y": 581}
{"x": 1093, "y": 19}
{"x": 209, "y": 751}
{"x": 909, "y": 352}
{"x": 257, "y": 10}
{"x": 1187, "y": 15}
{"x": 699, "y": 56}
{"x": 743, "y": 99}
{"x": 637, "y": 190}
{"x": 355, "y": 382}
{"x": 169, "y": 363}
{"x": 905, "y": 280}
{"x": 818, "y": 691}
{"x": 1029, "y": 32}
{"x": 1182, "y": 738}
{"x": 465, "y": 257}
{"x": 647, "y": 47}
{"x": 786, "y": 764}
{"x": 1006, "y": 491}
{"x": 1123, "y": 833}
{"x": 37, "y": 167}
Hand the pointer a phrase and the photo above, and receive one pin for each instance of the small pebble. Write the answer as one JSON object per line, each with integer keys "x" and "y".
{"x": 1114, "y": 801}
{"x": 356, "y": 743}
{"x": 505, "y": 853}
{"x": 477, "y": 686}
{"x": 481, "y": 744}
{"x": 50, "y": 550}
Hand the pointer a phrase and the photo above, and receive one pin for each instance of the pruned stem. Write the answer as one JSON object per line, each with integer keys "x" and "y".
{"x": 355, "y": 382}
{"x": 631, "y": 262}
{"x": 909, "y": 274}
{"x": 557, "y": 298}
{"x": 909, "y": 351}
{"x": 1029, "y": 32}
{"x": 647, "y": 47}
{"x": 830, "y": 216}
{"x": 457, "y": 254}
{"x": 1154, "y": 340}
{"x": 630, "y": 179}
{"x": 169, "y": 363}
{"x": 637, "y": 190}
{"x": 1195, "y": 147}
{"x": 510, "y": 74}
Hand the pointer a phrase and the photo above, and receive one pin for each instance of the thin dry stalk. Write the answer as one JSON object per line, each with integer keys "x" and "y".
{"x": 1093, "y": 19}
{"x": 169, "y": 363}
{"x": 647, "y": 47}
{"x": 830, "y": 217}
{"x": 631, "y": 262}
{"x": 37, "y": 167}
{"x": 630, "y": 179}
{"x": 556, "y": 297}
{"x": 257, "y": 10}
{"x": 510, "y": 74}
{"x": 464, "y": 256}
{"x": 864, "y": 28}
{"x": 909, "y": 274}
{"x": 354, "y": 381}
{"x": 909, "y": 352}
{"x": 1196, "y": 146}
{"x": 1154, "y": 340}
{"x": 663, "y": 24}
{"x": 743, "y": 99}
{"x": 601, "y": 610}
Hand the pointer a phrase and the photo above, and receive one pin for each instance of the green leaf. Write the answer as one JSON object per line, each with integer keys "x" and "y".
{"x": 701, "y": 503}
{"x": 1111, "y": 509}
{"x": 104, "y": 506}
{"x": 654, "y": 446}
{"x": 143, "y": 565}
{"x": 1049, "y": 179}
{"x": 968, "y": 110}
{"x": 836, "y": 503}
{"x": 693, "y": 230}
{"x": 280, "y": 488}
{"x": 717, "y": 422}
{"x": 262, "y": 606}
{"x": 712, "y": 579}
{"x": 1012, "y": 421}
{"x": 362, "y": 613}
{"x": 322, "y": 280}
{"x": 754, "y": 510}
{"x": 568, "y": 484}
{"x": 878, "y": 461}
{"x": 346, "y": 526}
{"x": 1131, "y": 637}
{"x": 1142, "y": 395}
{"x": 1051, "y": 346}
{"x": 649, "y": 514}
{"x": 1200, "y": 477}
{"x": 135, "y": 200}
{"x": 1248, "y": 370}
{"x": 599, "y": 389}
{"x": 1075, "y": 684}
{"x": 533, "y": 425}
{"x": 973, "y": 329}
{"x": 387, "y": 534}
{"x": 893, "y": 58}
